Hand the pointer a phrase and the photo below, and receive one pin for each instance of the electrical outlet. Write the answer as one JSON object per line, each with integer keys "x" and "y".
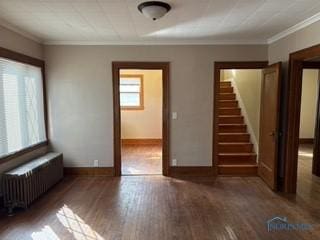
{"x": 174, "y": 162}
{"x": 96, "y": 163}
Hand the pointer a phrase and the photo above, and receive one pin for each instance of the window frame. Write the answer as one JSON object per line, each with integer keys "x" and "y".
{"x": 21, "y": 58}
{"x": 141, "y": 93}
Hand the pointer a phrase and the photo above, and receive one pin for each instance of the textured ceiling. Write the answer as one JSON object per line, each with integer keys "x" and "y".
{"x": 119, "y": 21}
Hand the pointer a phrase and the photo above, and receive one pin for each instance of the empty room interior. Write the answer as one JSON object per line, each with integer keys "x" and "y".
{"x": 141, "y": 121}
{"x": 162, "y": 120}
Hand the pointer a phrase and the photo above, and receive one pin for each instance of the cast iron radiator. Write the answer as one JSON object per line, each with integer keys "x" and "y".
{"x": 25, "y": 183}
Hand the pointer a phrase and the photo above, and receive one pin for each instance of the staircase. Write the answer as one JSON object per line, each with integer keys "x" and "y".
{"x": 235, "y": 151}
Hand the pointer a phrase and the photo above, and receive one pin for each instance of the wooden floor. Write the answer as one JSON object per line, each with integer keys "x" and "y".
{"x": 161, "y": 208}
{"x": 141, "y": 159}
{"x": 308, "y": 185}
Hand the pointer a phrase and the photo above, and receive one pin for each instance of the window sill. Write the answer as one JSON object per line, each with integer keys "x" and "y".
{"x": 23, "y": 151}
{"x": 131, "y": 108}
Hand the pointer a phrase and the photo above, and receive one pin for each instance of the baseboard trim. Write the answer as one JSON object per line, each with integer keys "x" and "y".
{"x": 173, "y": 171}
{"x": 90, "y": 171}
{"x": 306, "y": 140}
{"x": 192, "y": 171}
{"x": 141, "y": 141}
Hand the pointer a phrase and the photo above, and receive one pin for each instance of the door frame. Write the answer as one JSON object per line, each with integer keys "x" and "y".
{"x": 216, "y": 87}
{"x": 291, "y": 138}
{"x": 116, "y": 67}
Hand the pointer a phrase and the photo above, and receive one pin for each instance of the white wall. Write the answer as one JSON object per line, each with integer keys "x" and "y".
{"x": 147, "y": 122}
{"x": 248, "y": 83}
{"x": 79, "y": 81}
{"x": 18, "y": 43}
{"x": 309, "y": 98}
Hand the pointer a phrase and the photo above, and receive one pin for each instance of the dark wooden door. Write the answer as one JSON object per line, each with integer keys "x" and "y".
{"x": 316, "y": 144}
{"x": 269, "y": 124}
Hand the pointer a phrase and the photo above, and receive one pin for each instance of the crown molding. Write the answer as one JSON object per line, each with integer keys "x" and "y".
{"x": 294, "y": 28}
{"x": 19, "y": 31}
{"x": 159, "y": 42}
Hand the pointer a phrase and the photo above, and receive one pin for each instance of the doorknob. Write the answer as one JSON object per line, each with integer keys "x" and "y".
{"x": 272, "y": 134}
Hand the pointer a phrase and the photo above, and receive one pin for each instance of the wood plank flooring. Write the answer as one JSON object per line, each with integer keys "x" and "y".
{"x": 308, "y": 185}
{"x": 156, "y": 207}
{"x": 161, "y": 208}
{"x": 141, "y": 159}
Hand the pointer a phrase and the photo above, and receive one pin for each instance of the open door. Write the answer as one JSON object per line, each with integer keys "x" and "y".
{"x": 316, "y": 144}
{"x": 269, "y": 124}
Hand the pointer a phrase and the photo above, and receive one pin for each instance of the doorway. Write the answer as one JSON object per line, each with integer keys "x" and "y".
{"x": 298, "y": 62}
{"x": 141, "y": 142}
{"x": 240, "y": 131}
{"x": 239, "y": 118}
{"x": 141, "y": 120}
{"x": 309, "y": 98}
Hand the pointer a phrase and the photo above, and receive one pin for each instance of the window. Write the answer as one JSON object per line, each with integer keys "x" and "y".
{"x": 131, "y": 92}
{"x": 22, "y": 123}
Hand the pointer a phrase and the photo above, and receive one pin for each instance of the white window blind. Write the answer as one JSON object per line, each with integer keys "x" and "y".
{"x": 130, "y": 92}
{"x": 22, "y": 122}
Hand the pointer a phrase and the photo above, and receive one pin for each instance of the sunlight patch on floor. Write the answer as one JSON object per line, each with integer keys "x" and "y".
{"x": 75, "y": 225}
{"x": 46, "y": 233}
{"x": 305, "y": 154}
{"x": 131, "y": 170}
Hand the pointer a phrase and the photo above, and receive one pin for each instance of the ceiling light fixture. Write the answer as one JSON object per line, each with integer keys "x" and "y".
{"x": 154, "y": 9}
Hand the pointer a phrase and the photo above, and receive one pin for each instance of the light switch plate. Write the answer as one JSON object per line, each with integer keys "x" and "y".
{"x": 174, "y": 162}
{"x": 96, "y": 163}
{"x": 174, "y": 115}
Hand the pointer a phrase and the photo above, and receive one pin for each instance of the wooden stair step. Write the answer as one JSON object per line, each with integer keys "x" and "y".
{"x": 227, "y": 96}
{"x": 231, "y": 119}
{"x": 228, "y": 103}
{"x": 232, "y": 128}
{"x": 238, "y": 170}
{"x": 229, "y": 111}
{"x": 224, "y": 89}
{"x": 233, "y": 137}
{"x": 237, "y": 158}
{"x": 225, "y": 84}
{"x": 235, "y": 147}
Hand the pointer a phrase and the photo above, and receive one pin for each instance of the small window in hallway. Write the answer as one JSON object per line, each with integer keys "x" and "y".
{"x": 131, "y": 92}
